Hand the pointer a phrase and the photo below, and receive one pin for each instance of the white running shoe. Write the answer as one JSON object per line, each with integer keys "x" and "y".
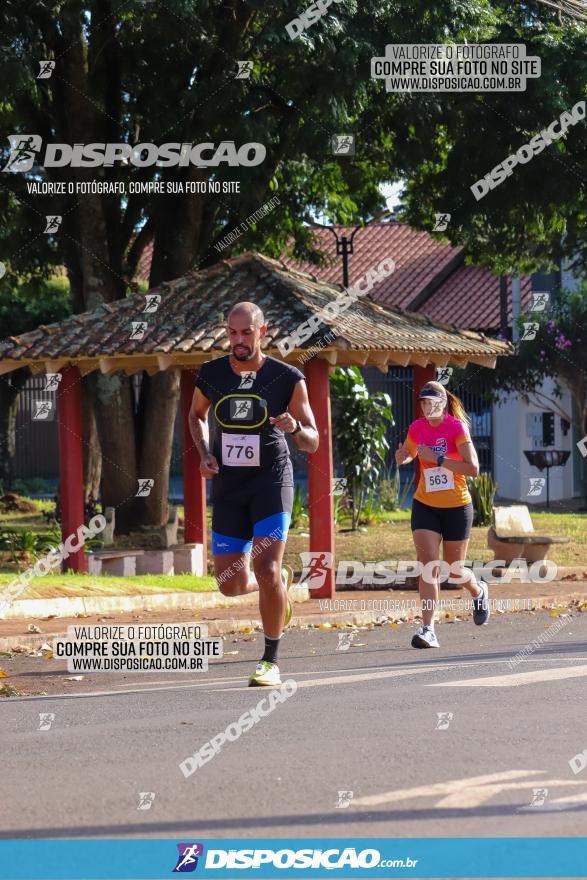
{"x": 481, "y": 609}
{"x": 425, "y": 637}
{"x": 265, "y": 675}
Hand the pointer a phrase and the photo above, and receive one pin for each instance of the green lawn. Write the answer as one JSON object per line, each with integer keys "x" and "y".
{"x": 54, "y": 585}
{"x": 390, "y": 539}
{"x": 393, "y": 540}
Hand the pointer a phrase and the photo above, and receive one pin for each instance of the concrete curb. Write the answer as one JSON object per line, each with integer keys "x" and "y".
{"x": 335, "y": 619}
{"x": 69, "y": 606}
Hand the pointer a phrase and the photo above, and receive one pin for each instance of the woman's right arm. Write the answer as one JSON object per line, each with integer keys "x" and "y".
{"x": 403, "y": 455}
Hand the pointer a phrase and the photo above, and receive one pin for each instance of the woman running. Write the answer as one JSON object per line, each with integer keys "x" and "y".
{"x": 442, "y": 508}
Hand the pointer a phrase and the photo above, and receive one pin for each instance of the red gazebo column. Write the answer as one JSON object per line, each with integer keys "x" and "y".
{"x": 71, "y": 467}
{"x": 320, "y": 473}
{"x": 194, "y": 484}
{"x": 421, "y": 375}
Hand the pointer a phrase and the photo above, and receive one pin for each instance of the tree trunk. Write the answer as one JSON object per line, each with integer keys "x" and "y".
{"x": 156, "y": 448}
{"x": 92, "y": 451}
{"x": 8, "y": 411}
{"x": 176, "y": 237}
{"x": 115, "y": 420}
{"x": 101, "y": 271}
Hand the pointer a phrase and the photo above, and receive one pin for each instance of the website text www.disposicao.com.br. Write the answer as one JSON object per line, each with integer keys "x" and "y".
{"x": 334, "y": 858}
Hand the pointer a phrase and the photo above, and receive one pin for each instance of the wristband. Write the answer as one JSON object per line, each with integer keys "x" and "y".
{"x": 440, "y": 459}
{"x": 297, "y": 428}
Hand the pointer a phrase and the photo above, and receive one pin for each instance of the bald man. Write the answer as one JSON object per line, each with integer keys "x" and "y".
{"x": 254, "y": 401}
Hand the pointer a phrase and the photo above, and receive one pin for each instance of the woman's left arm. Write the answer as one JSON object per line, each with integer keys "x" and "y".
{"x": 469, "y": 466}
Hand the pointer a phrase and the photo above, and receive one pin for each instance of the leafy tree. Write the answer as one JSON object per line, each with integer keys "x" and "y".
{"x": 361, "y": 421}
{"x": 157, "y": 73}
{"x": 449, "y": 141}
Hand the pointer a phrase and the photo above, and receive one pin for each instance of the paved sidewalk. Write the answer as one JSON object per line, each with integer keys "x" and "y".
{"x": 348, "y": 608}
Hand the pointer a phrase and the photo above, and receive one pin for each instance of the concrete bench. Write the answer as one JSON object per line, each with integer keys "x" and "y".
{"x": 156, "y": 562}
{"x": 118, "y": 563}
{"x": 168, "y": 532}
{"x": 178, "y": 559}
{"x": 188, "y": 559}
{"x": 512, "y": 535}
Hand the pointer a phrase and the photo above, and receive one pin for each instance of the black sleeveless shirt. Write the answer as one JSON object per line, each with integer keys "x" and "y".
{"x": 242, "y": 439}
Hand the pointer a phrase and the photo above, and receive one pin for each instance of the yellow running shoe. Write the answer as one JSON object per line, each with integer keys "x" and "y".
{"x": 287, "y": 576}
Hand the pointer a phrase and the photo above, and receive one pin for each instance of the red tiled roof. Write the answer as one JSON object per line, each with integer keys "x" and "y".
{"x": 430, "y": 276}
{"x": 470, "y": 298}
{"x": 419, "y": 259}
{"x": 189, "y": 325}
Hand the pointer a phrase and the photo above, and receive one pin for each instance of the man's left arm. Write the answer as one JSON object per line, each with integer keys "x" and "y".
{"x": 299, "y": 414}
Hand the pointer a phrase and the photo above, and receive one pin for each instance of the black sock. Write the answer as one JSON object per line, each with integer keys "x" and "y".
{"x": 271, "y": 648}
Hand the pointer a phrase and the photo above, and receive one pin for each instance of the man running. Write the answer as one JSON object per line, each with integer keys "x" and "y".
{"x": 254, "y": 400}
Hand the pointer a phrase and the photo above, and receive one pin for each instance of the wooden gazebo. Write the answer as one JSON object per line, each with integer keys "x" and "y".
{"x": 188, "y": 329}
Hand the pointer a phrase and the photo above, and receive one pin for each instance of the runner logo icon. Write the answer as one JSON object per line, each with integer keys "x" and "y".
{"x": 241, "y": 409}
{"x": 187, "y": 859}
{"x": 315, "y": 569}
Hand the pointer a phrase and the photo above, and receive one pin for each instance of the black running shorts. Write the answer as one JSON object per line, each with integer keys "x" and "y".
{"x": 255, "y": 506}
{"x": 453, "y": 523}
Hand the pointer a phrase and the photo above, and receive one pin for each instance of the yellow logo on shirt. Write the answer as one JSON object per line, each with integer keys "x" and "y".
{"x": 241, "y": 411}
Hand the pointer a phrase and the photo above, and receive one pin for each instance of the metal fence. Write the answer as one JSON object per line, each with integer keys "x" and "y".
{"x": 36, "y": 448}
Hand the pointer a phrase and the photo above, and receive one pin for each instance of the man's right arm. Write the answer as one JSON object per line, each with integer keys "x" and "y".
{"x": 199, "y": 430}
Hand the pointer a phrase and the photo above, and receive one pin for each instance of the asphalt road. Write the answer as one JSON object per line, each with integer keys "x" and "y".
{"x": 365, "y": 720}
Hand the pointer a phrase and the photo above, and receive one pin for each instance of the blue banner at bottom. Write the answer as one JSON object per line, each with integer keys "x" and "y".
{"x": 154, "y": 859}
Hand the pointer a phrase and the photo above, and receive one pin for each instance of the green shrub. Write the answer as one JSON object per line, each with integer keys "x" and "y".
{"x": 391, "y": 495}
{"x": 372, "y": 509}
{"x": 360, "y": 424}
{"x": 482, "y": 489}
{"x": 299, "y": 509}
{"x": 31, "y": 486}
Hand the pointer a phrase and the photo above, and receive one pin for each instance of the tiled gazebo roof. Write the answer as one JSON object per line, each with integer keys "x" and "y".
{"x": 188, "y": 326}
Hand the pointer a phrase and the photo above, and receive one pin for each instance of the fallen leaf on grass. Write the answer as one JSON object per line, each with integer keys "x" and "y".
{"x": 33, "y": 628}
{"x": 226, "y": 653}
{"x": 394, "y": 625}
{"x": 246, "y": 629}
{"x": 3, "y": 674}
{"x": 73, "y": 677}
{"x": 325, "y": 626}
{"x": 570, "y": 577}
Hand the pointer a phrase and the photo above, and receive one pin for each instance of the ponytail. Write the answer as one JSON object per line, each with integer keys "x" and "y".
{"x": 456, "y": 408}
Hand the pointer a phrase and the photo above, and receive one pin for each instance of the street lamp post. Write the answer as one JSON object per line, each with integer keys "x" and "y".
{"x": 344, "y": 244}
